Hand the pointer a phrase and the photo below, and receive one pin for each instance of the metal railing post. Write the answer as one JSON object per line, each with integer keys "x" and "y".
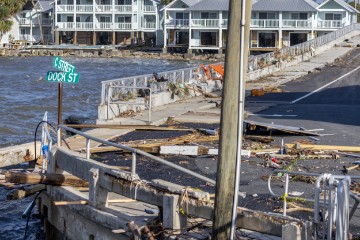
{"x": 87, "y": 149}
{"x": 58, "y": 135}
{"x": 286, "y": 193}
{"x": 133, "y": 164}
{"x": 149, "y": 107}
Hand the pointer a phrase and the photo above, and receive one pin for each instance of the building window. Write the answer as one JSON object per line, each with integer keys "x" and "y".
{"x": 105, "y": 19}
{"x": 69, "y": 19}
{"x": 124, "y": 19}
{"x": 297, "y": 16}
{"x": 333, "y": 16}
{"x": 267, "y": 40}
{"x": 22, "y": 31}
{"x": 265, "y": 15}
{"x": 182, "y": 16}
{"x": 208, "y": 15}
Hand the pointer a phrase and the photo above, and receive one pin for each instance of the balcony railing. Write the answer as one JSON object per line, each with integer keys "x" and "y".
{"x": 225, "y": 22}
{"x": 26, "y": 37}
{"x": 149, "y": 25}
{"x": 103, "y": 25}
{"x": 205, "y": 22}
{"x": 122, "y": 25}
{"x": 264, "y": 23}
{"x": 84, "y": 8}
{"x": 296, "y": 23}
{"x": 66, "y": 25}
{"x": 178, "y": 23}
{"x": 330, "y": 24}
{"x": 123, "y": 8}
{"x": 149, "y": 8}
{"x": 24, "y": 21}
{"x": 65, "y": 8}
{"x": 104, "y": 8}
{"x": 84, "y": 25}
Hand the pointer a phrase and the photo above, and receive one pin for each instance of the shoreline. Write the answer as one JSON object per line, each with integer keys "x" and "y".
{"x": 108, "y": 53}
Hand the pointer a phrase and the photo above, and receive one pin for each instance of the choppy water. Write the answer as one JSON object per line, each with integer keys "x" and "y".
{"x": 25, "y": 96}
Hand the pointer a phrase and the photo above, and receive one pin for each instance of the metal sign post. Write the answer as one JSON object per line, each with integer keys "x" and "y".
{"x": 67, "y": 74}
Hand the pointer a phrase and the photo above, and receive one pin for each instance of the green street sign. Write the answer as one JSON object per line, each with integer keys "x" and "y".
{"x": 62, "y": 77}
{"x": 62, "y": 65}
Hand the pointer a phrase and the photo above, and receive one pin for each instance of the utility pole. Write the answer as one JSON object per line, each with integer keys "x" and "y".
{"x": 231, "y": 117}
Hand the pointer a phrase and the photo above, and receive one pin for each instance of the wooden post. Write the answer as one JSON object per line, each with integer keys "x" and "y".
{"x": 94, "y": 38}
{"x": 226, "y": 169}
{"x": 75, "y": 38}
{"x": 113, "y": 38}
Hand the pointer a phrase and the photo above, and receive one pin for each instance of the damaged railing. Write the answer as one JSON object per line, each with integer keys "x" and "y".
{"x": 258, "y": 61}
{"x": 335, "y": 202}
{"x": 175, "y": 76}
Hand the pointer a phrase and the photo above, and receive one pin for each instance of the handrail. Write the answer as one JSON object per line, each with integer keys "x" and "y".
{"x": 134, "y": 151}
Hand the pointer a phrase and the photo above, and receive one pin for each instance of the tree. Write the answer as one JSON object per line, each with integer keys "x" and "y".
{"x": 165, "y": 2}
{"x": 7, "y": 9}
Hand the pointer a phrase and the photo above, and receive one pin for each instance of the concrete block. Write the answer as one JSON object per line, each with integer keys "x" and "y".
{"x": 189, "y": 55}
{"x": 98, "y": 197}
{"x": 172, "y": 216}
{"x": 291, "y": 231}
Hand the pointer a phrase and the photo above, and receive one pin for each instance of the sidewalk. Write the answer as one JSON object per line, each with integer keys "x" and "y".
{"x": 303, "y": 68}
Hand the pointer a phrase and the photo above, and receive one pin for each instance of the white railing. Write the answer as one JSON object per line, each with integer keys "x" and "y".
{"x": 123, "y": 8}
{"x": 149, "y": 25}
{"x": 24, "y": 21}
{"x": 103, "y": 25}
{"x": 296, "y": 23}
{"x": 149, "y": 8}
{"x": 225, "y": 22}
{"x": 66, "y": 25}
{"x": 84, "y": 8}
{"x": 205, "y": 22}
{"x": 176, "y": 76}
{"x": 122, "y": 25}
{"x": 26, "y": 37}
{"x": 330, "y": 24}
{"x": 84, "y": 25}
{"x": 178, "y": 23}
{"x": 296, "y": 50}
{"x": 264, "y": 23}
{"x": 104, "y": 8}
{"x": 65, "y": 8}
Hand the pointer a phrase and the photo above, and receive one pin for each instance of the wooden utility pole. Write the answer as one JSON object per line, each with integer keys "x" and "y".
{"x": 39, "y": 20}
{"x": 226, "y": 168}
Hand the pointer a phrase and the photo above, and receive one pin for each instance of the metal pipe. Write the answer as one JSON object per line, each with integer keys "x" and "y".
{"x": 286, "y": 193}
{"x": 240, "y": 117}
{"x": 133, "y": 150}
{"x": 133, "y": 164}
{"x": 87, "y": 148}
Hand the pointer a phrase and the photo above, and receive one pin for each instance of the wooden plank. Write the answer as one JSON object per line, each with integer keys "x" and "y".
{"x": 327, "y": 147}
{"x": 135, "y": 127}
{"x": 65, "y": 203}
{"x": 45, "y": 178}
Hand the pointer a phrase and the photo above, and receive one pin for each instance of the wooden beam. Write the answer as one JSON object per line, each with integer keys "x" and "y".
{"x": 45, "y": 178}
{"x": 65, "y": 203}
{"x": 135, "y": 127}
{"x": 327, "y": 147}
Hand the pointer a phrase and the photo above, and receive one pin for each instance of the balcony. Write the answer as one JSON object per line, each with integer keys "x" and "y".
{"x": 66, "y": 25}
{"x": 84, "y": 8}
{"x": 104, "y": 8}
{"x": 205, "y": 23}
{"x": 123, "y": 8}
{"x": 330, "y": 24}
{"x": 178, "y": 23}
{"x": 24, "y": 21}
{"x": 224, "y": 23}
{"x": 149, "y": 25}
{"x": 103, "y": 25}
{"x": 84, "y": 25}
{"x": 124, "y": 26}
{"x": 26, "y": 37}
{"x": 149, "y": 8}
{"x": 65, "y": 8}
{"x": 264, "y": 23}
{"x": 296, "y": 23}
